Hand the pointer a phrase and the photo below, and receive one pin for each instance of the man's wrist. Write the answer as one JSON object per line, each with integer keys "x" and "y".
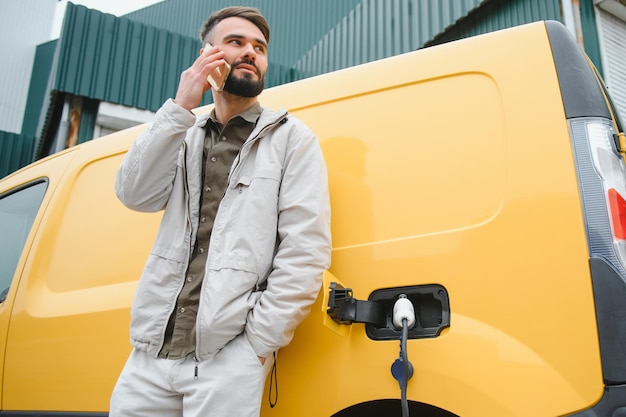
{"x": 183, "y": 105}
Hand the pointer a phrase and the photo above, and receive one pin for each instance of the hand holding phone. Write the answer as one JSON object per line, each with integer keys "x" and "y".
{"x": 217, "y": 77}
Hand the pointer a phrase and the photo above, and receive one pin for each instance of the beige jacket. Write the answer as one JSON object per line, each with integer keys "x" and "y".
{"x": 270, "y": 242}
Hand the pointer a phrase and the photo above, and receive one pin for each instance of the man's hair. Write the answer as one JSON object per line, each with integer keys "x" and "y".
{"x": 249, "y": 13}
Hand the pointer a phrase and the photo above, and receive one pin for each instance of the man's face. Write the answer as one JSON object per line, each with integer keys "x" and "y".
{"x": 246, "y": 52}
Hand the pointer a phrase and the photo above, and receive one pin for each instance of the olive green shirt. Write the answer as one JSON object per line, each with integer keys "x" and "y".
{"x": 221, "y": 146}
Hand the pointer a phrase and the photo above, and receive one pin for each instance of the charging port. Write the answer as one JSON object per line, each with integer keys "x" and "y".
{"x": 432, "y": 311}
{"x": 431, "y": 303}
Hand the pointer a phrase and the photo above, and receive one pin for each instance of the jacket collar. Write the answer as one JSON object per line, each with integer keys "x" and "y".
{"x": 268, "y": 116}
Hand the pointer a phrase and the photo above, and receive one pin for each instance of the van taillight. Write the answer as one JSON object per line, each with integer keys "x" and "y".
{"x": 602, "y": 176}
{"x": 618, "y": 213}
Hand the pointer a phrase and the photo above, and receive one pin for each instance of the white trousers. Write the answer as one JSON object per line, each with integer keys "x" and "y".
{"x": 227, "y": 385}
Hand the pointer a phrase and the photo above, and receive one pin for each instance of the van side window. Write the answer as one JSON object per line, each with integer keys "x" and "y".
{"x": 17, "y": 213}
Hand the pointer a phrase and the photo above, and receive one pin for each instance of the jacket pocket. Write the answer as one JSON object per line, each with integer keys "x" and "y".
{"x": 245, "y": 231}
{"x": 228, "y": 296}
{"x": 269, "y": 171}
{"x": 155, "y": 296}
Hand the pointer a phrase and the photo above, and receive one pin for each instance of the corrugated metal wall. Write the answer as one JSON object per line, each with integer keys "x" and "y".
{"x": 313, "y": 37}
{"x": 16, "y": 151}
{"x": 119, "y": 60}
{"x": 500, "y": 14}
{"x": 104, "y": 58}
{"x": 39, "y": 88}
{"x": 296, "y": 25}
{"x": 376, "y": 29}
{"x": 88, "y": 119}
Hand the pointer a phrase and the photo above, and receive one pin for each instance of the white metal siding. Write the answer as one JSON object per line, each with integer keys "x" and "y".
{"x": 24, "y": 24}
{"x": 612, "y": 34}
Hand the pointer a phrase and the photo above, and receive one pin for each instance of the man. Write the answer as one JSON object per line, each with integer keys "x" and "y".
{"x": 244, "y": 239}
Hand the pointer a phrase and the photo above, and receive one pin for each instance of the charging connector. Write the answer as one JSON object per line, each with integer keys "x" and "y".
{"x": 402, "y": 369}
{"x": 403, "y": 309}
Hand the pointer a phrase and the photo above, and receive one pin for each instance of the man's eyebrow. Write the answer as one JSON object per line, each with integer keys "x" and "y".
{"x": 238, "y": 36}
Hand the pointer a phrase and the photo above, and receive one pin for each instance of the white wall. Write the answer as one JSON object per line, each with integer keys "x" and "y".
{"x": 24, "y": 24}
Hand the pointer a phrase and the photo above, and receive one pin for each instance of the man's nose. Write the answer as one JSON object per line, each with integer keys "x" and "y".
{"x": 249, "y": 52}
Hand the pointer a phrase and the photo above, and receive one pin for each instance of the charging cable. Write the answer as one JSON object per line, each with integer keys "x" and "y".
{"x": 401, "y": 369}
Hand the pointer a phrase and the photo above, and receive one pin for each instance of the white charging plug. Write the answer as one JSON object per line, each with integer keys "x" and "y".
{"x": 403, "y": 309}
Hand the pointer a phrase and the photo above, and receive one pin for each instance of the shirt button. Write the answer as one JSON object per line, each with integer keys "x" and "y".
{"x": 189, "y": 278}
{"x": 203, "y": 220}
{"x": 207, "y": 189}
{"x": 182, "y": 309}
{"x": 201, "y": 250}
{"x": 213, "y": 159}
{"x": 223, "y": 137}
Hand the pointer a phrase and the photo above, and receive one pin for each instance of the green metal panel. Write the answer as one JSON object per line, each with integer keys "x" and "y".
{"x": 310, "y": 37}
{"x": 40, "y": 75}
{"x": 119, "y": 60}
{"x": 500, "y": 14}
{"x": 377, "y": 29}
{"x": 88, "y": 117}
{"x": 16, "y": 151}
{"x": 590, "y": 33}
{"x": 296, "y": 25}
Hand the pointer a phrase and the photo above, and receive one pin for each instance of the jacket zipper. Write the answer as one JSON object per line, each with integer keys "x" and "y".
{"x": 187, "y": 216}
{"x": 280, "y": 120}
{"x": 189, "y": 226}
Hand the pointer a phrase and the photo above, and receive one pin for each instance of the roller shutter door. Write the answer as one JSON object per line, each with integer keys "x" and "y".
{"x": 612, "y": 31}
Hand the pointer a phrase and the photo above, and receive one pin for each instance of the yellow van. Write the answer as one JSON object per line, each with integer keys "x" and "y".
{"x": 479, "y": 246}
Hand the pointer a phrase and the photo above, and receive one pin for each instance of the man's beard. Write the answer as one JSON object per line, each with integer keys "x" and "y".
{"x": 246, "y": 86}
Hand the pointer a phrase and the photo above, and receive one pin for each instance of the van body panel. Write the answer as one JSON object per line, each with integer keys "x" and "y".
{"x": 375, "y": 172}
{"x": 69, "y": 326}
{"x": 451, "y": 165}
{"x": 51, "y": 173}
{"x": 438, "y": 233}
